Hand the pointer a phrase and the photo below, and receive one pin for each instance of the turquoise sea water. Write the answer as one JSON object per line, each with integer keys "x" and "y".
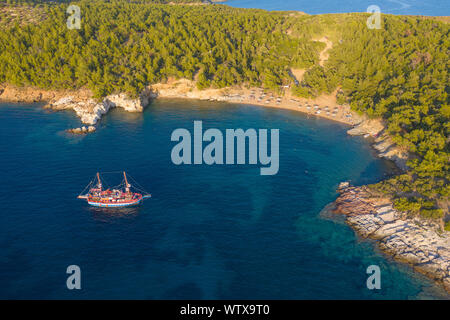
{"x": 413, "y": 7}
{"x": 208, "y": 232}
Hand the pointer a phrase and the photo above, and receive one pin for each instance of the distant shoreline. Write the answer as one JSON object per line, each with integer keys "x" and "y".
{"x": 362, "y": 9}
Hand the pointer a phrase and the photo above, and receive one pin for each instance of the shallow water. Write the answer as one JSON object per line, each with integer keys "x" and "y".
{"x": 207, "y": 232}
{"x": 413, "y": 7}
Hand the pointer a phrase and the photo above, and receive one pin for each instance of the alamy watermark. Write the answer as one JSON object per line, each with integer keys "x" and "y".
{"x": 74, "y": 20}
{"x": 235, "y": 147}
{"x": 74, "y": 280}
{"x": 374, "y": 21}
{"x": 374, "y": 280}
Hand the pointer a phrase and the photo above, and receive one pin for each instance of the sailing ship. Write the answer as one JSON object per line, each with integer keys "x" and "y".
{"x": 120, "y": 196}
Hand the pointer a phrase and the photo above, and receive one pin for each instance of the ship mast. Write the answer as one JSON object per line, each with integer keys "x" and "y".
{"x": 99, "y": 183}
{"x": 127, "y": 185}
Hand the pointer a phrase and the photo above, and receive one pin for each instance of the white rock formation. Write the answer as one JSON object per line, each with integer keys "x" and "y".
{"x": 131, "y": 105}
{"x": 90, "y": 111}
{"x": 372, "y": 127}
{"x": 82, "y": 130}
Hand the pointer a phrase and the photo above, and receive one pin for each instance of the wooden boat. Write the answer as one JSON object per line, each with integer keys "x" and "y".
{"x": 120, "y": 196}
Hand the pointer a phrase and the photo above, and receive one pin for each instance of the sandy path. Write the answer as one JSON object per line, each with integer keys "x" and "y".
{"x": 298, "y": 74}
{"x": 324, "y": 55}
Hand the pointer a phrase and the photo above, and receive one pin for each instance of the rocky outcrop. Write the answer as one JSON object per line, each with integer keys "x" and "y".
{"x": 389, "y": 150}
{"x": 371, "y": 127}
{"x": 131, "y": 105}
{"x": 417, "y": 242}
{"x": 82, "y": 130}
{"x": 382, "y": 142}
{"x": 90, "y": 111}
{"x": 81, "y": 101}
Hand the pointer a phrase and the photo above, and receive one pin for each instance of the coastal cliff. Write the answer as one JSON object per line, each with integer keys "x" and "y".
{"x": 90, "y": 111}
{"x": 415, "y": 241}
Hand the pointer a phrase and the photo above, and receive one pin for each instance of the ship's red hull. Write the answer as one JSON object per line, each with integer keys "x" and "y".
{"x": 112, "y": 202}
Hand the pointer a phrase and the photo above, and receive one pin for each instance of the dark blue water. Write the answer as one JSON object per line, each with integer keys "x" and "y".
{"x": 414, "y": 7}
{"x": 208, "y": 232}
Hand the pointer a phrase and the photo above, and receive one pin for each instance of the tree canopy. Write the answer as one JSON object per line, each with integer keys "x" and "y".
{"x": 125, "y": 46}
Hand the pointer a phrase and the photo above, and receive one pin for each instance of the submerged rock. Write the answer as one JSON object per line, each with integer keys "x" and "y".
{"x": 343, "y": 185}
{"x": 82, "y": 130}
{"x": 75, "y": 130}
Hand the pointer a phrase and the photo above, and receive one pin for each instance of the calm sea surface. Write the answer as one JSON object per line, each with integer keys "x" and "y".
{"x": 415, "y": 7}
{"x": 208, "y": 232}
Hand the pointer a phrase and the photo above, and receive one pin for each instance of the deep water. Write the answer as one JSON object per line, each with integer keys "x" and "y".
{"x": 409, "y": 7}
{"x": 207, "y": 232}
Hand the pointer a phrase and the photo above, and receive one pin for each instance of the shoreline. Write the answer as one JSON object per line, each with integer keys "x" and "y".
{"x": 365, "y": 224}
{"x": 82, "y": 102}
{"x": 413, "y": 241}
{"x": 324, "y": 106}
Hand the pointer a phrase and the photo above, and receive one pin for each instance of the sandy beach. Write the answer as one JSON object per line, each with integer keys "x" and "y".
{"x": 324, "y": 106}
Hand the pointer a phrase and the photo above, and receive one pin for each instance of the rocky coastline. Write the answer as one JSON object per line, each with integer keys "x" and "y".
{"x": 88, "y": 109}
{"x": 414, "y": 241}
